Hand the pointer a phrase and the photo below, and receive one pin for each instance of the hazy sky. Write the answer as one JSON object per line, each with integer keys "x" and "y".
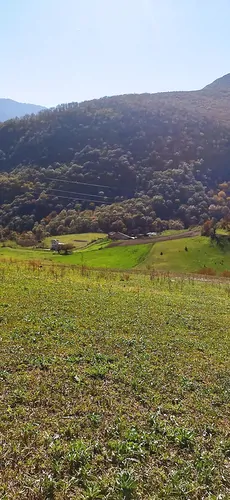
{"x": 55, "y": 51}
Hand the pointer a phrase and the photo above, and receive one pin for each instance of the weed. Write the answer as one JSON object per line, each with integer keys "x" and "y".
{"x": 93, "y": 492}
{"x": 79, "y": 454}
{"x": 126, "y": 483}
{"x": 184, "y": 437}
{"x": 98, "y": 371}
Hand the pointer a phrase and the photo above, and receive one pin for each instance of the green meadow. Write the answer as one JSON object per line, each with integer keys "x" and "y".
{"x": 186, "y": 255}
{"x": 113, "y": 385}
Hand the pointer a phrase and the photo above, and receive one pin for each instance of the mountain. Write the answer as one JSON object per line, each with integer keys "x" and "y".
{"x": 132, "y": 163}
{"x": 222, "y": 83}
{"x": 11, "y": 109}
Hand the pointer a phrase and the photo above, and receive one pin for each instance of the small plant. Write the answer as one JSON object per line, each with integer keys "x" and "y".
{"x": 98, "y": 371}
{"x": 156, "y": 423}
{"x": 123, "y": 451}
{"x": 79, "y": 454}
{"x": 95, "y": 418}
{"x": 226, "y": 448}
{"x": 48, "y": 487}
{"x": 205, "y": 467}
{"x": 188, "y": 384}
{"x": 184, "y": 437}
{"x": 126, "y": 483}
{"x": 93, "y": 492}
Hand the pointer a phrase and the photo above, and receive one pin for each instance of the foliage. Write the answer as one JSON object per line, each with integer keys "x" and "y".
{"x": 144, "y": 159}
{"x": 208, "y": 228}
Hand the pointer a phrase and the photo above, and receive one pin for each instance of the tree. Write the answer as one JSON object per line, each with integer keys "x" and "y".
{"x": 208, "y": 228}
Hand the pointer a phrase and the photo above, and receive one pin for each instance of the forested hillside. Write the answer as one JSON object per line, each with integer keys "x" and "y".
{"x": 133, "y": 163}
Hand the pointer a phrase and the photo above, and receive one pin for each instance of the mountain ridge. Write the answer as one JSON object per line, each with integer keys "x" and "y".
{"x": 10, "y": 109}
{"x": 222, "y": 83}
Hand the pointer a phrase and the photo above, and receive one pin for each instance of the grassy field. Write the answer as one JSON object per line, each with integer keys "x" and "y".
{"x": 171, "y": 256}
{"x": 187, "y": 255}
{"x": 78, "y": 240}
{"x": 171, "y": 232}
{"x": 97, "y": 255}
{"x": 113, "y": 386}
{"x": 110, "y": 258}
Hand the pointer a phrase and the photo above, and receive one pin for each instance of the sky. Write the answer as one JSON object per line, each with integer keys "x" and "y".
{"x": 56, "y": 51}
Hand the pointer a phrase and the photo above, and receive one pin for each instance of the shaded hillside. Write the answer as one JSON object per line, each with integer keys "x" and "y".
{"x": 140, "y": 124}
{"x": 220, "y": 84}
{"x": 11, "y": 109}
{"x": 169, "y": 150}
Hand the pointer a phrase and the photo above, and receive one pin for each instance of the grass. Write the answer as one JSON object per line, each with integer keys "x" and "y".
{"x": 78, "y": 240}
{"x": 171, "y": 256}
{"x": 165, "y": 256}
{"x": 25, "y": 254}
{"x": 112, "y": 258}
{"x": 172, "y": 232}
{"x": 113, "y": 386}
{"x": 96, "y": 255}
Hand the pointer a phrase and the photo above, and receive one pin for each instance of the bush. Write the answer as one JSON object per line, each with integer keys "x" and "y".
{"x": 26, "y": 242}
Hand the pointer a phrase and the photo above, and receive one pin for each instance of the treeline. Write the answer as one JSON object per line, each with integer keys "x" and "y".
{"x": 134, "y": 216}
{"x": 173, "y": 194}
{"x": 116, "y": 163}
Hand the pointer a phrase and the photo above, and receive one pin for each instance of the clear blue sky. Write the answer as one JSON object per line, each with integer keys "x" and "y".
{"x": 55, "y": 51}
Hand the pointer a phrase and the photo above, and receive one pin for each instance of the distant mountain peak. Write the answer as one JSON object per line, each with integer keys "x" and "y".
{"x": 12, "y": 109}
{"x": 222, "y": 83}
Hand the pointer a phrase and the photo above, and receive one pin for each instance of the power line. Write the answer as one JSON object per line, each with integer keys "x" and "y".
{"x": 76, "y": 198}
{"x": 73, "y": 192}
{"x": 79, "y": 199}
{"x": 81, "y": 183}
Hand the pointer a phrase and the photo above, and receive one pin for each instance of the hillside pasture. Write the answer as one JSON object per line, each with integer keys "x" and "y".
{"x": 78, "y": 240}
{"x": 97, "y": 255}
{"x": 180, "y": 256}
{"x": 114, "y": 386}
{"x": 172, "y": 256}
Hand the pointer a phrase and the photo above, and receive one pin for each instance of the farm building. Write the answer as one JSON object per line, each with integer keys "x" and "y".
{"x": 150, "y": 235}
{"x": 119, "y": 236}
{"x": 56, "y": 245}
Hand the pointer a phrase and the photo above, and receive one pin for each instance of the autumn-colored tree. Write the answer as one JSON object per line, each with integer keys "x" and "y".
{"x": 208, "y": 228}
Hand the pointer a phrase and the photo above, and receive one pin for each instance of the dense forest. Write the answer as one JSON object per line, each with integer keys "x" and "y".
{"x": 133, "y": 163}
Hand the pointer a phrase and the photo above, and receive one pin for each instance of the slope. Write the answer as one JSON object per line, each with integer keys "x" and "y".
{"x": 220, "y": 84}
{"x": 188, "y": 255}
{"x": 113, "y": 389}
{"x": 168, "y": 152}
{"x": 11, "y": 109}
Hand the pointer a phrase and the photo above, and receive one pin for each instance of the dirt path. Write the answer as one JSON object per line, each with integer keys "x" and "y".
{"x": 156, "y": 239}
